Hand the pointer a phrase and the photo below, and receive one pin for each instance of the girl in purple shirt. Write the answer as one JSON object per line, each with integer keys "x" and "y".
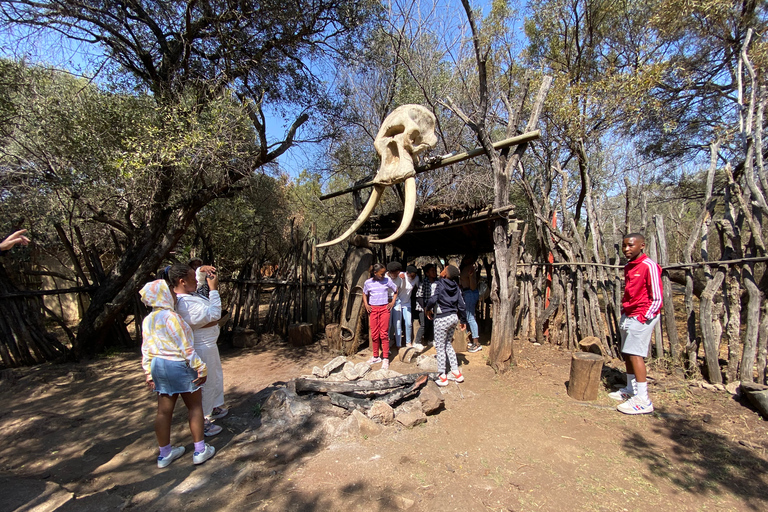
{"x": 378, "y": 305}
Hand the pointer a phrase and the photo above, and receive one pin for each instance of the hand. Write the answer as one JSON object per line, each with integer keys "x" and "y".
{"x": 390, "y": 305}
{"x": 200, "y": 380}
{"x": 16, "y": 238}
{"x": 430, "y": 314}
{"x": 463, "y": 327}
{"x": 213, "y": 281}
{"x": 207, "y": 269}
{"x": 368, "y": 308}
{"x": 444, "y": 272}
{"x": 150, "y": 382}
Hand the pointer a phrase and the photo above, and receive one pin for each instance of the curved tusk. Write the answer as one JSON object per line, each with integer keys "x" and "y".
{"x": 369, "y": 206}
{"x": 408, "y": 208}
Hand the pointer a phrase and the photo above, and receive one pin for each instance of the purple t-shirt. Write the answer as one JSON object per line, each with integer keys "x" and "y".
{"x": 378, "y": 291}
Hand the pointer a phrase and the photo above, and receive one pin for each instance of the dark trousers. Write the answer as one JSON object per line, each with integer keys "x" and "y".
{"x": 426, "y": 328}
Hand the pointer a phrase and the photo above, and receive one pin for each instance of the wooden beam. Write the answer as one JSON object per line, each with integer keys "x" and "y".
{"x": 445, "y": 160}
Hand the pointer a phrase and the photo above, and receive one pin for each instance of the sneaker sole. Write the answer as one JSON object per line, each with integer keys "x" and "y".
{"x": 647, "y": 410}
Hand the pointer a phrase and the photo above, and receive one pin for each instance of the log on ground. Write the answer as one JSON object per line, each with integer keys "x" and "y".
{"x": 321, "y": 386}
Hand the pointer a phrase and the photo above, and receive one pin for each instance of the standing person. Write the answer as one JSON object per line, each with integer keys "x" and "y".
{"x": 640, "y": 308}
{"x": 377, "y": 304}
{"x": 446, "y": 306}
{"x": 203, "y": 314}
{"x": 172, "y": 368}
{"x": 408, "y": 281}
{"x": 394, "y": 269}
{"x": 423, "y": 293}
{"x": 468, "y": 283}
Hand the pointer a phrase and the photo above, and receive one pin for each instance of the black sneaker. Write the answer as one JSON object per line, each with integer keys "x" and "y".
{"x": 474, "y": 348}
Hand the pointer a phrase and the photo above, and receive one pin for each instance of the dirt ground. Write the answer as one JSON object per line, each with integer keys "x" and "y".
{"x": 80, "y": 437}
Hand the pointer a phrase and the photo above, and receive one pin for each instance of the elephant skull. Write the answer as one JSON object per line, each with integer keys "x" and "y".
{"x": 406, "y": 132}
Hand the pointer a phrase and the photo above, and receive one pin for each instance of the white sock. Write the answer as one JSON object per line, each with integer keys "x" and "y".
{"x": 631, "y": 383}
{"x": 642, "y": 391}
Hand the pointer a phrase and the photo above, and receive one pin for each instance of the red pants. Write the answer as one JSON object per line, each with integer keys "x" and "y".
{"x": 379, "y": 321}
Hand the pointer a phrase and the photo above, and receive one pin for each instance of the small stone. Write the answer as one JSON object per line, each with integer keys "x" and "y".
{"x": 719, "y": 387}
{"x": 412, "y": 418}
{"x": 706, "y": 418}
{"x": 319, "y": 372}
{"x": 707, "y": 385}
{"x": 381, "y": 412}
{"x": 335, "y": 364}
{"x": 403, "y": 503}
{"x": 362, "y": 368}
{"x": 536, "y": 344}
{"x": 427, "y": 362}
{"x": 349, "y": 371}
{"x": 367, "y": 426}
{"x": 431, "y": 398}
{"x": 348, "y": 427}
{"x": 734, "y": 388}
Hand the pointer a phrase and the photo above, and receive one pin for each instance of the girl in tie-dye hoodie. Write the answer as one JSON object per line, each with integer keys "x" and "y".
{"x": 172, "y": 368}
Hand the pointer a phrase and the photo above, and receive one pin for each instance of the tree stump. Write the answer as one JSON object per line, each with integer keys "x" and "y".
{"x": 591, "y": 344}
{"x": 333, "y": 337}
{"x": 585, "y": 376}
{"x": 300, "y": 335}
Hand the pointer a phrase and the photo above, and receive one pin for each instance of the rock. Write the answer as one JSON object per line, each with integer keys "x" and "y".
{"x": 319, "y": 372}
{"x": 410, "y": 414}
{"x": 349, "y": 371}
{"x": 244, "y": 338}
{"x": 412, "y": 418}
{"x": 427, "y": 363}
{"x": 300, "y": 335}
{"x": 707, "y": 385}
{"x": 336, "y": 363}
{"x": 719, "y": 387}
{"x": 757, "y": 394}
{"x": 283, "y": 403}
{"x": 431, "y": 398}
{"x": 381, "y": 412}
{"x": 348, "y": 427}
{"x": 734, "y": 387}
{"x": 591, "y": 344}
{"x": 367, "y": 426}
{"x": 362, "y": 368}
{"x": 382, "y": 374}
{"x": 403, "y": 503}
{"x": 706, "y": 418}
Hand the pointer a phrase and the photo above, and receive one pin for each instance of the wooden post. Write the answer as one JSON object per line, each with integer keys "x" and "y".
{"x": 584, "y": 381}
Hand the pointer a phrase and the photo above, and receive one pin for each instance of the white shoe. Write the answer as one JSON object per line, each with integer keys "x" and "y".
{"x": 636, "y": 405}
{"x": 176, "y": 452}
{"x": 200, "y": 457}
{"x": 442, "y": 380}
{"x": 621, "y": 395}
{"x": 218, "y": 413}
{"x": 211, "y": 429}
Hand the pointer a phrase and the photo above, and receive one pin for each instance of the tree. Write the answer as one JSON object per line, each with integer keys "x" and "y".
{"x": 194, "y": 57}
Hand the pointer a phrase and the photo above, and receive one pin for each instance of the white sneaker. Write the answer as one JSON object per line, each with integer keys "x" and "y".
{"x": 374, "y": 360}
{"x": 176, "y": 452}
{"x": 442, "y": 380}
{"x": 621, "y": 395}
{"x": 385, "y": 364}
{"x": 218, "y": 413}
{"x": 457, "y": 376}
{"x": 200, "y": 457}
{"x": 636, "y": 405}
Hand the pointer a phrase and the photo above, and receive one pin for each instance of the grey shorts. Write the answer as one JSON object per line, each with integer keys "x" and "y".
{"x": 636, "y": 336}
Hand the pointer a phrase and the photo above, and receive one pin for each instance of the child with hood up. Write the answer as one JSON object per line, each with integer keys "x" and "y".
{"x": 172, "y": 368}
{"x": 447, "y": 308}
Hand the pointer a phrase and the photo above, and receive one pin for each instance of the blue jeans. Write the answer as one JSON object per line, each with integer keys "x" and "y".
{"x": 470, "y": 301}
{"x": 400, "y": 312}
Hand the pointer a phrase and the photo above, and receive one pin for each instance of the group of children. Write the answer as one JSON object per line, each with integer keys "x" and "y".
{"x": 387, "y": 299}
{"x": 451, "y": 301}
{"x": 180, "y": 356}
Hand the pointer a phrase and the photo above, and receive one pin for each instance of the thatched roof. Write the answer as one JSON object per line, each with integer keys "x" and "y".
{"x": 441, "y": 230}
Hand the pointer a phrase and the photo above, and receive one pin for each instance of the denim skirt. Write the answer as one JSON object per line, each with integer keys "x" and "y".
{"x": 173, "y": 377}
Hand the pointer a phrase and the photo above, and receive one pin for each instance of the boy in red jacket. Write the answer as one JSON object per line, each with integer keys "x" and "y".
{"x": 640, "y": 308}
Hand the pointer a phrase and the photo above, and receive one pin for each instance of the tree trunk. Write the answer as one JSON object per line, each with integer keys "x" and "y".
{"x": 669, "y": 306}
{"x": 753, "y": 321}
{"x": 711, "y": 348}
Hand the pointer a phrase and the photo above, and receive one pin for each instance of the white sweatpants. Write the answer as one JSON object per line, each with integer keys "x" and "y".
{"x": 206, "y": 348}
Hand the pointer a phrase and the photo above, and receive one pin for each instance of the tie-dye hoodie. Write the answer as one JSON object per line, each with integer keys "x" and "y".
{"x": 164, "y": 332}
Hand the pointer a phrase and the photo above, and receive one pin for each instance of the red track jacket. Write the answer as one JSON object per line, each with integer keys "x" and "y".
{"x": 642, "y": 289}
